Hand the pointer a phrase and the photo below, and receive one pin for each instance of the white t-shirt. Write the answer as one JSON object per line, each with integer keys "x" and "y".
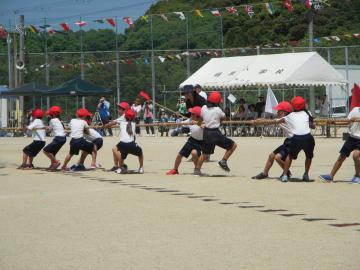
{"x": 120, "y": 119}
{"x": 287, "y": 132}
{"x": 77, "y": 127}
{"x": 203, "y": 94}
{"x": 355, "y": 127}
{"x": 56, "y": 127}
{"x": 37, "y": 134}
{"x": 298, "y": 123}
{"x": 93, "y": 135}
{"x": 212, "y": 116}
{"x": 124, "y": 136}
{"x": 196, "y": 131}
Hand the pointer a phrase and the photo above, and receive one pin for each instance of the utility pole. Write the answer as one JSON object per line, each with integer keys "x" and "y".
{"x": 82, "y": 67}
{"x": 311, "y": 45}
{"x": 47, "y": 74}
{"x": 187, "y": 48}
{"x": 117, "y": 62}
{"x": 153, "y": 78}
{"x": 21, "y": 60}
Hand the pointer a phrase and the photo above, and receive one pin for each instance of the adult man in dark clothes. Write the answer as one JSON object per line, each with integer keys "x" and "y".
{"x": 260, "y": 106}
{"x": 192, "y": 98}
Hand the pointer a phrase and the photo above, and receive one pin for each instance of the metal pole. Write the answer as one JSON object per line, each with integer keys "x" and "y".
{"x": 347, "y": 78}
{"x": 311, "y": 45}
{"x": 82, "y": 61}
{"x": 222, "y": 36}
{"x": 153, "y": 83}
{"x": 47, "y": 74}
{"x": 329, "y": 56}
{"x": 17, "y": 102}
{"x": 117, "y": 62}
{"x": 10, "y": 62}
{"x": 188, "y": 72}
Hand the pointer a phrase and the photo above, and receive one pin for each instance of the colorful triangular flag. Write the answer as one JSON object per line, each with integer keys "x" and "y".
{"x": 162, "y": 59}
{"x": 249, "y": 10}
{"x": 33, "y": 29}
{"x": 164, "y": 17}
{"x": 288, "y": 5}
{"x": 111, "y": 22}
{"x": 198, "y": 13}
{"x": 308, "y": 4}
{"x": 355, "y": 98}
{"x": 232, "y": 10}
{"x": 129, "y": 21}
{"x": 336, "y": 38}
{"x": 99, "y": 21}
{"x": 270, "y": 9}
{"x": 180, "y": 14}
{"x": 65, "y": 26}
{"x": 145, "y": 18}
{"x": 216, "y": 12}
{"x": 80, "y": 23}
{"x": 3, "y": 33}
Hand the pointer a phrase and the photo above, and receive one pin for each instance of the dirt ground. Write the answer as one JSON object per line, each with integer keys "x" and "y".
{"x": 102, "y": 220}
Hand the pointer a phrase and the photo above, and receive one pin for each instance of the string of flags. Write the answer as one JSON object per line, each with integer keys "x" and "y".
{"x": 233, "y": 10}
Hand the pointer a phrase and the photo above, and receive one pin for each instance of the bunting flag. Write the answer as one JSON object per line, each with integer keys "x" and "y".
{"x": 270, "y": 9}
{"x": 336, "y": 38}
{"x": 146, "y": 61}
{"x": 50, "y": 31}
{"x": 145, "y": 18}
{"x": 163, "y": 16}
{"x": 271, "y": 101}
{"x": 144, "y": 95}
{"x": 232, "y": 10}
{"x": 169, "y": 57}
{"x": 308, "y": 4}
{"x": 129, "y": 61}
{"x": 316, "y": 40}
{"x": 3, "y": 33}
{"x": 288, "y": 5}
{"x": 355, "y": 99}
{"x": 249, "y": 10}
{"x": 33, "y": 29}
{"x": 162, "y": 59}
{"x": 99, "y": 21}
{"x": 178, "y": 56}
{"x": 65, "y": 26}
{"x": 111, "y": 22}
{"x": 357, "y": 35}
{"x": 129, "y": 21}
{"x": 180, "y": 14}
{"x": 80, "y": 23}
{"x": 216, "y": 12}
{"x": 198, "y": 13}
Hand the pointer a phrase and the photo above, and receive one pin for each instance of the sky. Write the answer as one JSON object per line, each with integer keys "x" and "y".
{"x": 70, "y": 11}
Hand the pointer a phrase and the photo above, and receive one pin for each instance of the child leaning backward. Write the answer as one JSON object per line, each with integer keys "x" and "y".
{"x": 193, "y": 144}
{"x": 279, "y": 154}
{"x": 212, "y": 116}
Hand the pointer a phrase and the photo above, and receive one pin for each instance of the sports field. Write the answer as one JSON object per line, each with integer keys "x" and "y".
{"x": 102, "y": 220}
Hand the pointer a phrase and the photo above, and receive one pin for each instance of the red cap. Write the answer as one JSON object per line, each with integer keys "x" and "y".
{"x": 215, "y": 97}
{"x": 298, "y": 103}
{"x": 195, "y": 111}
{"x": 124, "y": 105}
{"x": 129, "y": 115}
{"x": 54, "y": 110}
{"x": 37, "y": 113}
{"x": 82, "y": 112}
{"x": 284, "y": 106}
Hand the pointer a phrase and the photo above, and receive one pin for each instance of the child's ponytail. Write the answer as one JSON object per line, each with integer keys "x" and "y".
{"x": 129, "y": 129}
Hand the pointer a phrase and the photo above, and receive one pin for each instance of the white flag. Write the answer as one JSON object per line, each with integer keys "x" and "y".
{"x": 271, "y": 101}
{"x": 231, "y": 98}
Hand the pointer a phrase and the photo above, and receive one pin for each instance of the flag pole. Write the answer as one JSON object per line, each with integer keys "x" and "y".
{"x": 117, "y": 62}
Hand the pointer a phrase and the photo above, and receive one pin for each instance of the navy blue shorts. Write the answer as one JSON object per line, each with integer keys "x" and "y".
{"x": 99, "y": 143}
{"x": 55, "y": 145}
{"x": 302, "y": 142}
{"x": 350, "y": 145}
{"x": 191, "y": 144}
{"x": 129, "y": 148}
{"x": 34, "y": 148}
{"x": 213, "y": 137}
{"x": 283, "y": 149}
{"x": 80, "y": 144}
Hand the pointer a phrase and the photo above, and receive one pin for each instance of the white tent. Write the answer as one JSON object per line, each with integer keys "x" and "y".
{"x": 300, "y": 69}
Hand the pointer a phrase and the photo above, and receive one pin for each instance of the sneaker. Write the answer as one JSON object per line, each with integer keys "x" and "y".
{"x": 78, "y": 168}
{"x": 118, "y": 171}
{"x": 197, "y": 172}
{"x": 289, "y": 174}
{"x": 93, "y": 166}
{"x": 260, "y": 176}
{"x": 306, "y": 177}
{"x": 223, "y": 164}
{"x": 55, "y": 165}
{"x": 113, "y": 169}
{"x": 172, "y": 172}
{"x": 141, "y": 170}
{"x": 355, "y": 180}
{"x": 21, "y": 167}
{"x": 73, "y": 166}
{"x": 29, "y": 167}
{"x": 65, "y": 169}
{"x": 326, "y": 178}
{"x": 98, "y": 165}
{"x": 284, "y": 178}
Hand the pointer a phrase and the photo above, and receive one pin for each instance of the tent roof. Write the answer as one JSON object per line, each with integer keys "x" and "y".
{"x": 302, "y": 69}
{"x": 28, "y": 89}
{"x": 79, "y": 87}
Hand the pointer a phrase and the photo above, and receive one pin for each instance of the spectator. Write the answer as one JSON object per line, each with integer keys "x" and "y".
{"x": 242, "y": 102}
{"x": 200, "y": 91}
{"x": 181, "y": 106}
{"x": 148, "y": 117}
{"x": 260, "y": 106}
{"x": 192, "y": 98}
{"x": 136, "y": 107}
{"x": 104, "y": 111}
{"x": 163, "y": 117}
{"x": 240, "y": 113}
{"x": 251, "y": 114}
